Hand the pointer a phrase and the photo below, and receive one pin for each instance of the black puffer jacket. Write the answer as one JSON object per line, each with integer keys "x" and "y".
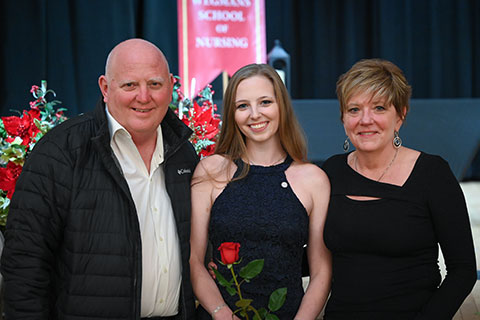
{"x": 73, "y": 248}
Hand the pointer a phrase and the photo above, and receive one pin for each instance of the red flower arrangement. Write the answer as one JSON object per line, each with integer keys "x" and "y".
{"x": 18, "y": 136}
{"x": 200, "y": 116}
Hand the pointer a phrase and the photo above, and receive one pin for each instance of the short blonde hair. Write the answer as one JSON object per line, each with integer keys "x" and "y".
{"x": 381, "y": 78}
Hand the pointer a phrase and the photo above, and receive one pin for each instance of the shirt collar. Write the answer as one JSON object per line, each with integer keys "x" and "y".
{"x": 114, "y": 127}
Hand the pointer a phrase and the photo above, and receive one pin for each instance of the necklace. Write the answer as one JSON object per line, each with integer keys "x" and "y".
{"x": 269, "y": 165}
{"x": 385, "y": 171}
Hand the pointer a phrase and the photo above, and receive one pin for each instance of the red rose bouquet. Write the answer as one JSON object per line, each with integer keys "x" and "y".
{"x": 229, "y": 252}
{"x": 18, "y": 136}
{"x": 200, "y": 115}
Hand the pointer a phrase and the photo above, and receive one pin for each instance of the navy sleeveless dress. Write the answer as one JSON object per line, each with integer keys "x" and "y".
{"x": 262, "y": 213}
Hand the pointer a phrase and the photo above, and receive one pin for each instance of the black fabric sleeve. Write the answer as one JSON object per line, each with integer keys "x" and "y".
{"x": 33, "y": 233}
{"x": 452, "y": 228}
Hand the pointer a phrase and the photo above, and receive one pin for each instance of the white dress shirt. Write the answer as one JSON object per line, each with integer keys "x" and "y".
{"x": 161, "y": 262}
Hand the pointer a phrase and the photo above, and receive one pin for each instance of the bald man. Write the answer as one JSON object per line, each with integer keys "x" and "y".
{"x": 99, "y": 224}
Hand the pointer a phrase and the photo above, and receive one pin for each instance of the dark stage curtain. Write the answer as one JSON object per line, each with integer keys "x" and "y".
{"x": 436, "y": 43}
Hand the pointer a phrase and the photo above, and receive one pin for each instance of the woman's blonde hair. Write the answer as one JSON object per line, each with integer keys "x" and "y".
{"x": 381, "y": 78}
{"x": 231, "y": 142}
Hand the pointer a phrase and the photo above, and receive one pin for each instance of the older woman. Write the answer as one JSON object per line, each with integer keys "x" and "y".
{"x": 390, "y": 209}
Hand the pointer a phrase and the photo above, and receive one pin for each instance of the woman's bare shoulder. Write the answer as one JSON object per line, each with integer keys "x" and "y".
{"x": 309, "y": 172}
{"x": 214, "y": 163}
{"x": 214, "y": 168}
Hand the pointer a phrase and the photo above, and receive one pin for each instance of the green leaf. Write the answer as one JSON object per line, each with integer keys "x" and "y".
{"x": 49, "y": 108}
{"x": 43, "y": 85}
{"x": 231, "y": 291}
{"x": 53, "y": 93}
{"x": 262, "y": 312}
{"x": 243, "y": 303}
{"x": 17, "y": 143}
{"x": 271, "y": 316}
{"x": 4, "y": 201}
{"x": 175, "y": 96}
{"x": 243, "y": 313}
{"x": 221, "y": 279}
{"x": 203, "y": 143}
{"x": 3, "y": 132}
{"x": 227, "y": 284}
{"x": 277, "y": 299}
{"x": 15, "y": 152}
{"x": 252, "y": 269}
{"x": 4, "y": 206}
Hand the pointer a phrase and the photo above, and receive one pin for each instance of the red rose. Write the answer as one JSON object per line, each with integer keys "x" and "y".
{"x": 229, "y": 252}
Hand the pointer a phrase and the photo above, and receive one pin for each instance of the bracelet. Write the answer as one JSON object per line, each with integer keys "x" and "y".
{"x": 218, "y": 309}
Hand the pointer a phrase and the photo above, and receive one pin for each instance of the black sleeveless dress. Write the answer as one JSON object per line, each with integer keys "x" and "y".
{"x": 262, "y": 213}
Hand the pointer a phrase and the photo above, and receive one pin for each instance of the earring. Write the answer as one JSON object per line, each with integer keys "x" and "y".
{"x": 397, "y": 141}
{"x": 346, "y": 145}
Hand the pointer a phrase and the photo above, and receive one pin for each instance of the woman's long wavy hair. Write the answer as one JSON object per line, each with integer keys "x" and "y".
{"x": 231, "y": 142}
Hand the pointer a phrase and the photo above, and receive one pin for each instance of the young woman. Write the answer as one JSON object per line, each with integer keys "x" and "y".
{"x": 258, "y": 190}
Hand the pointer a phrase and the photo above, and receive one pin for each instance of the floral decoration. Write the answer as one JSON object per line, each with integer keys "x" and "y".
{"x": 18, "y": 136}
{"x": 200, "y": 115}
{"x": 229, "y": 252}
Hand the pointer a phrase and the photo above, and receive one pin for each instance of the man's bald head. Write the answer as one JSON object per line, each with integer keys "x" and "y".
{"x": 131, "y": 46}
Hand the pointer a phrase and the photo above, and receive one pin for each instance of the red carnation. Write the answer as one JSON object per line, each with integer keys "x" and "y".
{"x": 23, "y": 127}
{"x": 8, "y": 178}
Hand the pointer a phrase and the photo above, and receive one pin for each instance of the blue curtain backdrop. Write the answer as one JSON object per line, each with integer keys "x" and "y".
{"x": 436, "y": 43}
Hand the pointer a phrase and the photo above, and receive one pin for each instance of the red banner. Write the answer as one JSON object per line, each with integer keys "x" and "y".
{"x": 216, "y": 36}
